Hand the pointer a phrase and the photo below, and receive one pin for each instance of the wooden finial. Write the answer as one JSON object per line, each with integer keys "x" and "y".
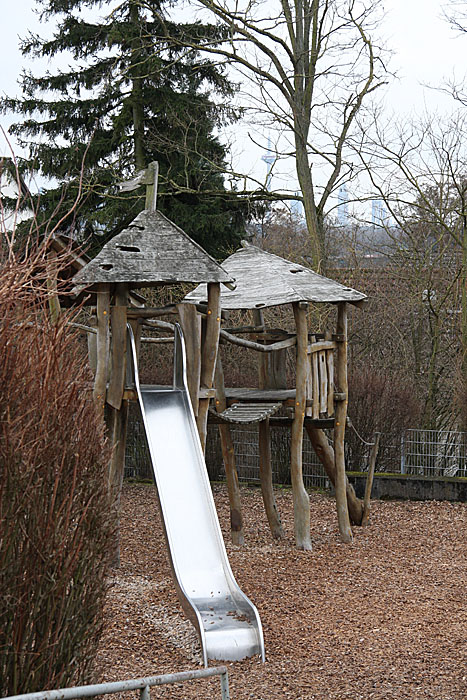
{"x": 148, "y": 177}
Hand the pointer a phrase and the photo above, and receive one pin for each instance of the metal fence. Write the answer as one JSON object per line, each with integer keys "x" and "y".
{"x": 434, "y": 453}
{"x": 141, "y": 684}
{"x": 418, "y": 452}
{"x": 246, "y": 448}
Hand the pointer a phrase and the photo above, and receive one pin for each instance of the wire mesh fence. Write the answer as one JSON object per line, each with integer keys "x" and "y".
{"x": 246, "y": 448}
{"x": 434, "y": 453}
{"x": 437, "y": 453}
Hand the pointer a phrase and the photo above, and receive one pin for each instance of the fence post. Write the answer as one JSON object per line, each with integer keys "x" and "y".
{"x": 403, "y": 453}
{"x": 144, "y": 693}
{"x": 225, "y": 695}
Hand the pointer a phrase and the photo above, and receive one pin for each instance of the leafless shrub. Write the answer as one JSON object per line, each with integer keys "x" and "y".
{"x": 379, "y": 401}
{"x": 55, "y": 516}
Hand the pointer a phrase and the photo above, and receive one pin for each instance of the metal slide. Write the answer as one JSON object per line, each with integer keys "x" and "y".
{"x": 227, "y": 622}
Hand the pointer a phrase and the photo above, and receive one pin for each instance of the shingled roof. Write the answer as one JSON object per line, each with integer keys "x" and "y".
{"x": 150, "y": 251}
{"x": 263, "y": 279}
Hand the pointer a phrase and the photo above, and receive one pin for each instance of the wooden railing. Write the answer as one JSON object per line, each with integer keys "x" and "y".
{"x": 320, "y": 379}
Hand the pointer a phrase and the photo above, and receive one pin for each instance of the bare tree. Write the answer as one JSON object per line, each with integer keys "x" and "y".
{"x": 310, "y": 66}
{"x": 419, "y": 170}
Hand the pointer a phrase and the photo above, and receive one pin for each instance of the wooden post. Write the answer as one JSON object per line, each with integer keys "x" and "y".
{"x": 339, "y": 425}
{"x": 190, "y": 321}
{"x": 301, "y": 501}
{"x": 265, "y": 475}
{"x": 118, "y": 318}
{"x": 118, "y": 430}
{"x": 228, "y": 455}
{"x": 264, "y": 435}
{"x": 258, "y": 320}
{"x": 369, "y": 480}
{"x": 209, "y": 355}
{"x": 92, "y": 345}
{"x": 103, "y": 343}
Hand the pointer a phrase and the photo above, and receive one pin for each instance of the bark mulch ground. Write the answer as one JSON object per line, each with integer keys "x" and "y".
{"x": 384, "y": 617}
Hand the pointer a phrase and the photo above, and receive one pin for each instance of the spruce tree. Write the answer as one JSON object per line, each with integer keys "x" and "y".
{"x": 133, "y": 95}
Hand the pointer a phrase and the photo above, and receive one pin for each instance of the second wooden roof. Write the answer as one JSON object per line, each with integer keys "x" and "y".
{"x": 263, "y": 279}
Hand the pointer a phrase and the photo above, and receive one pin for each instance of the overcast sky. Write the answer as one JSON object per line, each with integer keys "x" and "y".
{"x": 427, "y": 51}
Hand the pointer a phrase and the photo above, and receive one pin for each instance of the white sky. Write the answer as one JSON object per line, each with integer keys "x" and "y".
{"x": 426, "y": 51}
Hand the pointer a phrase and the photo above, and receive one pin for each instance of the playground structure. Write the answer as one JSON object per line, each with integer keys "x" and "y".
{"x": 319, "y": 398}
{"x": 154, "y": 252}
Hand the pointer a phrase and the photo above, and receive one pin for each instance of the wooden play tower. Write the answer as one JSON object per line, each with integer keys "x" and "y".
{"x": 152, "y": 252}
{"x": 319, "y": 398}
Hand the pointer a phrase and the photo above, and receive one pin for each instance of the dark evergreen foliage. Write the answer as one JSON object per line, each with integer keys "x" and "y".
{"x": 133, "y": 95}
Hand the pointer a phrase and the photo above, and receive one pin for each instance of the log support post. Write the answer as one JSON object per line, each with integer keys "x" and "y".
{"x": 118, "y": 418}
{"x": 228, "y": 455}
{"x": 339, "y": 425}
{"x": 301, "y": 501}
{"x": 209, "y": 355}
{"x": 265, "y": 475}
{"x": 102, "y": 346}
{"x": 325, "y": 454}
{"x": 265, "y": 381}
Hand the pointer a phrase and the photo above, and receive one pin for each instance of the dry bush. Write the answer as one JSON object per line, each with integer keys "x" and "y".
{"x": 55, "y": 518}
{"x": 382, "y": 402}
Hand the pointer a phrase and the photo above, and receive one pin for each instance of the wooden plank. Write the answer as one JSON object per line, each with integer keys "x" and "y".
{"x": 315, "y": 382}
{"x": 330, "y": 365}
{"x": 323, "y": 382}
{"x": 339, "y": 428}
{"x": 209, "y": 355}
{"x": 242, "y": 342}
{"x": 301, "y": 501}
{"x": 152, "y": 312}
{"x": 103, "y": 346}
{"x": 277, "y": 370}
{"x": 190, "y": 321}
{"x": 265, "y": 475}
{"x": 321, "y": 345}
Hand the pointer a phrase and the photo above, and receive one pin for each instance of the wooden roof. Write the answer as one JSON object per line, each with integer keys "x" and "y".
{"x": 263, "y": 279}
{"x": 150, "y": 251}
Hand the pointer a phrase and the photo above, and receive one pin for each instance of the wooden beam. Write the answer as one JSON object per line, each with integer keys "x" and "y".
{"x": 103, "y": 346}
{"x": 209, "y": 355}
{"x": 301, "y": 501}
{"x": 118, "y": 319}
{"x": 265, "y": 475}
{"x": 369, "y": 480}
{"x": 242, "y": 342}
{"x": 339, "y": 427}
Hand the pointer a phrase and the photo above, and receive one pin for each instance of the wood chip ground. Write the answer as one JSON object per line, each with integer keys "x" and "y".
{"x": 385, "y": 617}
